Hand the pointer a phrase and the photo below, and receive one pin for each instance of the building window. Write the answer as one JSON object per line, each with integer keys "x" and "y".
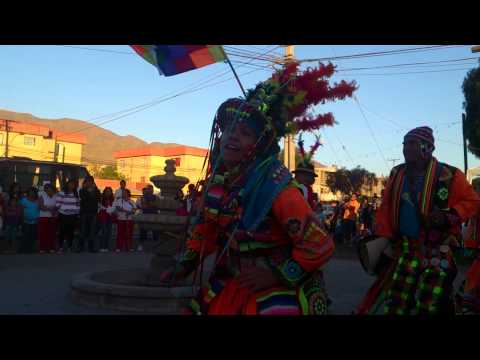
{"x": 1, "y": 139}
{"x": 177, "y": 162}
{"x": 121, "y": 163}
{"x": 29, "y": 140}
{"x": 142, "y": 179}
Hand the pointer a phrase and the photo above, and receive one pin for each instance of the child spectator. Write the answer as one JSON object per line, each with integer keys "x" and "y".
{"x": 124, "y": 208}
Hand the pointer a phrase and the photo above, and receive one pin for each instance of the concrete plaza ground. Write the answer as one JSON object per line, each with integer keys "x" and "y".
{"x": 40, "y": 284}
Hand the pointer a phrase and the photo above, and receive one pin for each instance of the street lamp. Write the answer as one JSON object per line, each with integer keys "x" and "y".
{"x": 475, "y": 48}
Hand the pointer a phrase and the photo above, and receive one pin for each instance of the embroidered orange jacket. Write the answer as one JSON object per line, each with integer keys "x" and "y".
{"x": 292, "y": 223}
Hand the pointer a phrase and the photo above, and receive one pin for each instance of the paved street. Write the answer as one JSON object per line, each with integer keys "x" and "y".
{"x": 39, "y": 284}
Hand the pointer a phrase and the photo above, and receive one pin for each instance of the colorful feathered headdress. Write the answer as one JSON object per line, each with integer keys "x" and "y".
{"x": 281, "y": 104}
{"x": 306, "y": 158}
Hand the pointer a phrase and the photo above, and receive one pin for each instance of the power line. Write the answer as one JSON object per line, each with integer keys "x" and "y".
{"x": 382, "y": 53}
{"x": 98, "y": 49}
{"x": 371, "y": 130}
{"x": 145, "y": 106}
{"x": 161, "y": 101}
{"x": 411, "y": 64}
{"x": 411, "y": 72}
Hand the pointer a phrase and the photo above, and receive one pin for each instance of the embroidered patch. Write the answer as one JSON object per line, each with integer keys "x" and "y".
{"x": 317, "y": 304}
{"x": 443, "y": 193}
{"x": 293, "y": 226}
{"x": 292, "y": 270}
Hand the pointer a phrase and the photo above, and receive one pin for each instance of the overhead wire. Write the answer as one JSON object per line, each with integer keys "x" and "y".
{"x": 382, "y": 53}
{"x": 149, "y": 104}
{"x": 371, "y": 131}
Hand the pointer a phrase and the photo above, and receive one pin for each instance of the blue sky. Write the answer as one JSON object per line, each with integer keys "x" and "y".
{"x": 56, "y": 82}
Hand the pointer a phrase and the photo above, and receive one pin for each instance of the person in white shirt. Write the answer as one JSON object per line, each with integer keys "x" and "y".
{"x": 119, "y": 192}
{"x": 124, "y": 208}
{"x": 47, "y": 222}
{"x": 68, "y": 205}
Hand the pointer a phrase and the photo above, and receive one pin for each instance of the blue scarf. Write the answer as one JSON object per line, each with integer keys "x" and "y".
{"x": 265, "y": 180}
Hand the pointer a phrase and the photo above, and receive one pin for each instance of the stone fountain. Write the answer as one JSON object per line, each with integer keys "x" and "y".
{"x": 140, "y": 290}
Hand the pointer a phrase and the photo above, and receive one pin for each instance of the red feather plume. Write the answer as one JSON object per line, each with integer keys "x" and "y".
{"x": 309, "y": 123}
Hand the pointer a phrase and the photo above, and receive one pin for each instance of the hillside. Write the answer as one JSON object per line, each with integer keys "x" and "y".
{"x": 101, "y": 143}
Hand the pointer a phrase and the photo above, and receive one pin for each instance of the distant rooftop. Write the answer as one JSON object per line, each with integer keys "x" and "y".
{"x": 164, "y": 151}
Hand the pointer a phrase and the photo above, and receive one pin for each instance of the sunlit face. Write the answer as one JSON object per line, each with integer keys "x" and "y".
{"x": 236, "y": 143}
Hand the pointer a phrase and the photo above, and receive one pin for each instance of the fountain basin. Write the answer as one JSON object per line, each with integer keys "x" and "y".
{"x": 128, "y": 291}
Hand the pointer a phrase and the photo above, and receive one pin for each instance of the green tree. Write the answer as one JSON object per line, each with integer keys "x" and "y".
{"x": 351, "y": 181}
{"x": 471, "y": 91}
{"x": 110, "y": 173}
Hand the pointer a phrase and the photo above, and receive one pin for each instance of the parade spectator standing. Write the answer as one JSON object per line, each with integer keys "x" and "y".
{"x": 47, "y": 222}
{"x": 119, "y": 192}
{"x": 106, "y": 218}
{"x": 335, "y": 217}
{"x": 365, "y": 215}
{"x": 124, "y": 208}
{"x": 14, "y": 191}
{"x": 350, "y": 219}
{"x": 13, "y": 217}
{"x": 182, "y": 209}
{"x": 147, "y": 204}
{"x": 31, "y": 212}
{"x": 191, "y": 197}
{"x": 68, "y": 205}
{"x": 90, "y": 198}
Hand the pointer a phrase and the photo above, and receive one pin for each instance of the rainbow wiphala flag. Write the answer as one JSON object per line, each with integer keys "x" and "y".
{"x": 175, "y": 59}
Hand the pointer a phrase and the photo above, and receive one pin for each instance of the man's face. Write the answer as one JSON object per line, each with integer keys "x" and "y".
{"x": 412, "y": 149}
{"x": 236, "y": 143}
{"x": 304, "y": 178}
{"x": 122, "y": 184}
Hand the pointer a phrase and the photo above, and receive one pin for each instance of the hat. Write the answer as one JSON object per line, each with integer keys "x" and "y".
{"x": 305, "y": 168}
{"x": 423, "y": 133}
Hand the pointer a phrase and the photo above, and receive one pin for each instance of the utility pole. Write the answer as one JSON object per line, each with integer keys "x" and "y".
{"x": 289, "y": 144}
{"x": 7, "y": 131}
{"x": 465, "y": 158}
{"x": 394, "y": 161}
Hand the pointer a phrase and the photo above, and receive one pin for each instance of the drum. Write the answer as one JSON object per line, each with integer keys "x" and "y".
{"x": 370, "y": 250}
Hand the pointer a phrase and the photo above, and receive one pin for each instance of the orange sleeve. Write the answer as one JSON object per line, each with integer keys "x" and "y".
{"x": 312, "y": 247}
{"x": 463, "y": 197}
{"x": 383, "y": 217}
{"x": 203, "y": 238}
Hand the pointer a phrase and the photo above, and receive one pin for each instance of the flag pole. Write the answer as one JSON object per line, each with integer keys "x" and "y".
{"x": 234, "y": 72}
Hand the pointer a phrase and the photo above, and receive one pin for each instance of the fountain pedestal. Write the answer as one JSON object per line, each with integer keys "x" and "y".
{"x": 140, "y": 290}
